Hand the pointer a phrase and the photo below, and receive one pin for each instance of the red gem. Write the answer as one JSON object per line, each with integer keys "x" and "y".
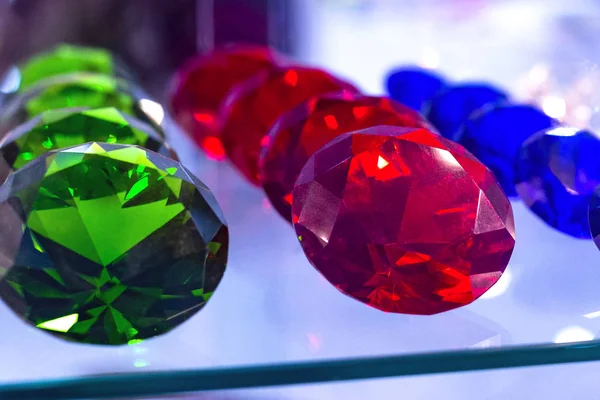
{"x": 300, "y": 132}
{"x": 403, "y": 220}
{"x": 202, "y": 84}
{"x": 250, "y": 111}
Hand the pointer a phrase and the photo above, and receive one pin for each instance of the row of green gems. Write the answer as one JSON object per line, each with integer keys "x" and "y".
{"x": 101, "y": 243}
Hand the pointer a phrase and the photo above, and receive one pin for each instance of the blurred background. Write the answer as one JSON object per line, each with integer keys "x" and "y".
{"x": 525, "y": 45}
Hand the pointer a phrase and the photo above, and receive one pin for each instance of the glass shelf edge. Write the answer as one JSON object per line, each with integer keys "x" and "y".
{"x": 281, "y": 374}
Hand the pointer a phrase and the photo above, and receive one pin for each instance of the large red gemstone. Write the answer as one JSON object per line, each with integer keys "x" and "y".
{"x": 300, "y": 132}
{"x": 200, "y": 86}
{"x": 403, "y": 220}
{"x": 250, "y": 111}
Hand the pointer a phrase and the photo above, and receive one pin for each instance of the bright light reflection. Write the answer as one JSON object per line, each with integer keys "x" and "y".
{"x": 539, "y": 74}
{"x": 563, "y": 131}
{"x": 153, "y": 109}
{"x": 430, "y": 58}
{"x": 572, "y": 333}
{"x": 447, "y": 157}
{"x": 582, "y": 115}
{"x": 140, "y": 363}
{"x": 11, "y": 80}
{"x": 592, "y": 315}
{"x": 62, "y": 324}
{"x": 554, "y": 106}
{"x": 382, "y": 163}
{"x": 500, "y": 287}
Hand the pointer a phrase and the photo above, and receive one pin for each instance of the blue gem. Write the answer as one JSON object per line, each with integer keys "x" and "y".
{"x": 414, "y": 87}
{"x": 556, "y": 174}
{"x": 594, "y": 216}
{"x": 495, "y": 137}
{"x": 451, "y": 108}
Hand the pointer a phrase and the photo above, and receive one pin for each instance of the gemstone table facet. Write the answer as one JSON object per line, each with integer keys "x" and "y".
{"x": 414, "y": 87}
{"x": 308, "y": 127}
{"x": 250, "y": 111}
{"x": 452, "y": 107}
{"x": 496, "y": 135}
{"x": 108, "y": 244}
{"x": 200, "y": 86}
{"x": 556, "y": 174}
{"x": 403, "y": 220}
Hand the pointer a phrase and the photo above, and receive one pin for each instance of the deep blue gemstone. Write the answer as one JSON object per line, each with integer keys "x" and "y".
{"x": 495, "y": 137}
{"x": 556, "y": 174}
{"x": 594, "y": 216}
{"x": 413, "y": 86}
{"x": 451, "y": 107}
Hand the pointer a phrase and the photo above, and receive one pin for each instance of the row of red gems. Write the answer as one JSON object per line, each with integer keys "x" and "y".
{"x": 400, "y": 219}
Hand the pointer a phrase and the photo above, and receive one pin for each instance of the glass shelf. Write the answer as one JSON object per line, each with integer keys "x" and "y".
{"x": 275, "y": 321}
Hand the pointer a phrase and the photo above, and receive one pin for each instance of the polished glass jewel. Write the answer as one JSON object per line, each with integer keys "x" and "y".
{"x": 556, "y": 174}
{"x": 250, "y": 111}
{"x": 108, "y": 244}
{"x": 201, "y": 85}
{"x": 61, "y": 60}
{"x": 300, "y": 132}
{"x": 64, "y": 59}
{"x": 413, "y": 86}
{"x": 451, "y": 108}
{"x": 56, "y": 129}
{"x": 496, "y": 135}
{"x": 80, "y": 90}
{"x": 403, "y": 220}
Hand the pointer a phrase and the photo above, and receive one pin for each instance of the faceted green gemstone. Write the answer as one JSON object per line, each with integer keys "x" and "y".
{"x": 82, "y": 90}
{"x": 107, "y": 243}
{"x": 57, "y": 129}
{"x": 64, "y": 59}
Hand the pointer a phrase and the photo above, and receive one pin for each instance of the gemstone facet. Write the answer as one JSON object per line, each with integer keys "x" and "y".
{"x": 496, "y": 135}
{"x": 106, "y": 243}
{"x": 202, "y": 84}
{"x": 250, "y": 111}
{"x": 556, "y": 175}
{"x": 57, "y": 129}
{"x": 403, "y": 220}
{"x": 451, "y": 108}
{"x": 414, "y": 87}
{"x": 308, "y": 127}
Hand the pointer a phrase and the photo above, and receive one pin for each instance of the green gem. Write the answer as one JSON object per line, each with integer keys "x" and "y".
{"x": 101, "y": 244}
{"x": 81, "y": 90}
{"x": 64, "y": 59}
{"x": 77, "y": 91}
{"x": 57, "y": 129}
